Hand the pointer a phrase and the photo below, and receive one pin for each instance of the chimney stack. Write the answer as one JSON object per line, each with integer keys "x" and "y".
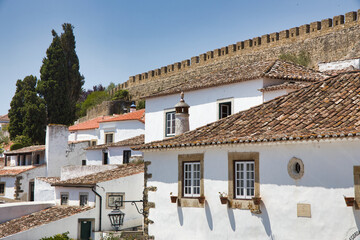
{"x": 133, "y": 107}
{"x": 181, "y": 116}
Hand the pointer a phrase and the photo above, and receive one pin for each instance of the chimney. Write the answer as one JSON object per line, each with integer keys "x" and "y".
{"x": 181, "y": 116}
{"x": 133, "y": 107}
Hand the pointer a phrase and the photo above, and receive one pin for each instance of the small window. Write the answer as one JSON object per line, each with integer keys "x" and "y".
{"x": 126, "y": 156}
{"x": 18, "y": 160}
{"x": 83, "y": 162}
{"x": 191, "y": 179}
{"x": 93, "y": 142}
{"x": 109, "y": 138}
{"x": 113, "y": 198}
{"x": 105, "y": 158}
{"x": 2, "y": 188}
{"x": 83, "y": 199}
{"x": 37, "y": 161}
{"x": 170, "y": 124}
{"x": 224, "y": 109}
{"x": 64, "y": 198}
{"x": 244, "y": 179}
{"x": 295, "y": 168}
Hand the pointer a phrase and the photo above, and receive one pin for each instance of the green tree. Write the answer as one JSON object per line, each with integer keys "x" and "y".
{"x": 140, "y": 105}
{"x": 302, "y": 58}
{"x": 92, "y": 100}
{"x": 110, "y": 87}
{"x": 61, "y": 81}
{"x": 122, "y": 94}
{"x": 28, "y": 112}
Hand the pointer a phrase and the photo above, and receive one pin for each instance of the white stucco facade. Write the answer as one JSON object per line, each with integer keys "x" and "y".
{"x": 115, "y": 155}
{"x": 121, "y": 130}
{"x": 338, "y": 65}
{"x": 204, "y": 104}
{"x": 83, "y": 135}
{"x": 328, "y": 176}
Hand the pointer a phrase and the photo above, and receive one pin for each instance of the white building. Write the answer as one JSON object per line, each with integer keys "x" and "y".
{"x": 282, "y": 168}
{"x": 83, "y": 204}
{"x": 214, "y": 95}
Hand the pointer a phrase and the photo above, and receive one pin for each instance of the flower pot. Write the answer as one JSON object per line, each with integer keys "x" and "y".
{"x": 349, "y": 201}
{"x": 256, "y": 200}
{"x": 201, "y": 199}
{"x": 224, "y": 200}
{"x": 173, "y": 199}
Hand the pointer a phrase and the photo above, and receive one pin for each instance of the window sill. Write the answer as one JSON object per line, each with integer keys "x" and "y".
{"x": 244, "y": 204}
{"x": 190, "y": 202}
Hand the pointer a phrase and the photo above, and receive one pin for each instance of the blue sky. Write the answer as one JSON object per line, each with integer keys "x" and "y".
{"x": 117, "y": 39}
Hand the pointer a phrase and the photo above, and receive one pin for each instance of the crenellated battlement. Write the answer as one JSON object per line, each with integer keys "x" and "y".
{"x": 276, "y": 39}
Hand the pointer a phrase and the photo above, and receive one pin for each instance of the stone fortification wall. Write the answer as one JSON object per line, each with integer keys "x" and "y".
{"x": 328, "y": 40}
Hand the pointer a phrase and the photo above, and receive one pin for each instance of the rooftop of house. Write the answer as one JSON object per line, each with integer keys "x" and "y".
{"x": 30, "y": 149}
{"x": 326, "y": 109}
{"x": 4, "y": 118}
{"x": 13, "y": 171}
{"x": 136, "y": 115}
{"x": 277, "y": 69}
{"x": 50, "y": 180}
{"x": 90, "y": 124}
{"x": 37, "y": 219}
{"x": 123, "y": 170}
{"x": 285, "y": 85}
{"x": 131, "y": 142}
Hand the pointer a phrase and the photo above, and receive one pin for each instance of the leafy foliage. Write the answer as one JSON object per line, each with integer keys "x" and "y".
{"x": 61, "y": 81}
{"x": 140, "y": 105}
{"x": 28, "y": 112}
{"x": 122, "y": 94}
{"x": 63, "y": 236}
{"x": 16, "y": 146}
{"x": 303, "y": 58}
{"x": 110, "y": 87}
{"x": 92, "y": 100}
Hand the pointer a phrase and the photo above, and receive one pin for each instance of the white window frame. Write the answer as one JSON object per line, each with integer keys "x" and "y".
{"x": 247, "y": 175}
{"x": 192, "y": 178}
{"x": 171, "y": 123}
{"x": 224, "y": 101}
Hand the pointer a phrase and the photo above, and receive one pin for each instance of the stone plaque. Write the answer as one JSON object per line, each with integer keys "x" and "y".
{"x": 304, "y": 210}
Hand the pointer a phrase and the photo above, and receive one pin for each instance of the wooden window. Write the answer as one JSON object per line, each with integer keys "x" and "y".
{"x": 109, "y": 138}
{"x": 224, "y": 109}
{"x": 64, "y": 198}
{"x": 83, "y": 162}
{"x": 37, "y": 161}
{"x": 170, "y": 124}
{"x": 83, "y": 199}
{"x": 2, "y": 188}
{"x": 126, "y": 156}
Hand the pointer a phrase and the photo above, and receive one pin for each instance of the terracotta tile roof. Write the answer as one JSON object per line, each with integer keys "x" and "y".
{"x": 137, "y": 115}
{"x": 285, "y": 85}
{"x": 277, "y": 69}
{"x": 50, "y": 180}
{"x": 4, "y": 118}
{"x": 13, "y": 171}
{"x": 29, "y": 149}
{"x": 90, "y": 124}
{"x": 123, "y": 170}
{"x": 39, "y": 218}
{"x": 127, "y": 142}
{"x": 327, "y": 109}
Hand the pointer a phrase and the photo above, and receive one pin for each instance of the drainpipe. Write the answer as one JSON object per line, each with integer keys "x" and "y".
{"x": 93, "y": 189}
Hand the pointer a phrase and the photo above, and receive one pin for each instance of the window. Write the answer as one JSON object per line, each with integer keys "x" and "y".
{"x": 2, "y": 188}
{"x": 126, "y": 156}
{"x": 192, "y": 179}
{"x": 93, "y": 142}
{"x": 83, "y": 199}
{"x": 37, "y": 161}
{"x": 105, "y": 158}
{"x": 83, "y": 162}
{"x": 295, "y": 168}
{"x": 64, "y": 198}
{"x": 244, "y": 179}
{"x": 170, "y": 124}
{"x": 112, "y": 198}
{"x": 224, "y": 109}
{"x": 109, "y": 138}
{"x": 243, "y": 182}
{"x": 18, "y": 160}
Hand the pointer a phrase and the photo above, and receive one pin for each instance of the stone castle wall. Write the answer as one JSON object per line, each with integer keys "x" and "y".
{"x": 328, "y": 40}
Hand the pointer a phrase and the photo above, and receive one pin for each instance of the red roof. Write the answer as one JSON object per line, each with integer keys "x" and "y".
{"x": 137, "y": 115}
{"x": 90, "y": 124}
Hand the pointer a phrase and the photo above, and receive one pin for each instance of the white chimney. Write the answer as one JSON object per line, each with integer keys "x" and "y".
{"x": 181, "y": 116}
{"x": 133, "y": 107}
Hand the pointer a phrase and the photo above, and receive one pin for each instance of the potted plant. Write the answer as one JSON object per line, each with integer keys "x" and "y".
{"x": 201, "y": 199}
{"x": 173, "y": 198}
{"x": 349, "y": 201}
{"x": 223, "y": 198}
{"x": 256, "y": 200}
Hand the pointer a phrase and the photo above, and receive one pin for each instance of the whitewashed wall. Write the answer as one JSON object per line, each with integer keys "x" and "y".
{"x": 9, "y": 186}
{"x": 122, "y": 130}
{"x": 328, "y": 177}
{"x": 69, "y": 224}
{"x": 68, "y": 172}
{"x": 203, "y": 105}
{"x": 269, "y": 95}
{"x": 75, "y": 153}
{"x": 74, "y": 195}
{"x": 115, "y": 154}
{"x": 44, "y": 191}
{"x": 339, "y": 65}
{"x": 80, "y": 135}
